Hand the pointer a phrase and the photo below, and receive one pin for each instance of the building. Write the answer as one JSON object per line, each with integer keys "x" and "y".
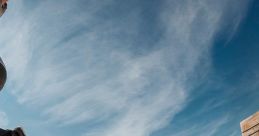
{"x": 250, "y": 126}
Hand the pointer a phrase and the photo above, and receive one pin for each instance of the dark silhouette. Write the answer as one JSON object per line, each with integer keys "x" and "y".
{"x": 3, "y": 6}
{"x": 17, "y": 131}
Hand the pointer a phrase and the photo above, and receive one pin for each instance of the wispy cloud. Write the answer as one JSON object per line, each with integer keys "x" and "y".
{"x": 204, "y": 129}
{"x": 4, "y": 121}
{"x": 75, "y": 66}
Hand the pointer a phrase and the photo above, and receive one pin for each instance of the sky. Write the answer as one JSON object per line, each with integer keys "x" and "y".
{"x": 129, "y": 68}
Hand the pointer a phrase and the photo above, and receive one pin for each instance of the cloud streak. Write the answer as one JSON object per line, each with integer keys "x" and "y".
{"x": 204, "y": 129}
{"x": 77, "y": 67}
{"x": 4, "y": 121}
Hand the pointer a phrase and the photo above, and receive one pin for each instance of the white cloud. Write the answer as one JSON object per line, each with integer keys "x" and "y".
{"x": 75, "y": 67}
{"x": 4, "y": 121}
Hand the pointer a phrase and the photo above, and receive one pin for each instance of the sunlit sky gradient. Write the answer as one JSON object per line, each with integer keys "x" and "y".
{"x": 130, "y": 68}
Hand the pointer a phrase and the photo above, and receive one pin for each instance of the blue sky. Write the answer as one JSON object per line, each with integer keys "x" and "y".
{"x": 123, "y": 68}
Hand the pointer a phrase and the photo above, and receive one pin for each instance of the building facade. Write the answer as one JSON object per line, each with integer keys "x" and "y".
{"x": 250, "y": 126}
